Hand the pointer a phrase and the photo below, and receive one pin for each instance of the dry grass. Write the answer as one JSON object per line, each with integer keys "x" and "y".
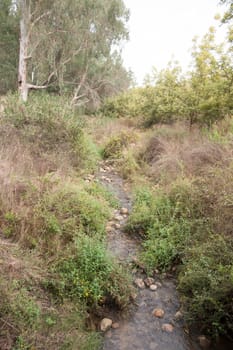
{"x": 178, "y": 152}
{"x": 102, "y": 129}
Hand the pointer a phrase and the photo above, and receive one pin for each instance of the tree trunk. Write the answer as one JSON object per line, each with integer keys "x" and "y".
{"x": 22, "y": 73}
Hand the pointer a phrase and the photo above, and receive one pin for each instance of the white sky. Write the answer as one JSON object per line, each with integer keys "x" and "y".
{"x": 164, "y": 29}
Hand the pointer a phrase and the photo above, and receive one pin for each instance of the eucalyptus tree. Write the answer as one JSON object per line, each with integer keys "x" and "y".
{"x": 64, "y": 44}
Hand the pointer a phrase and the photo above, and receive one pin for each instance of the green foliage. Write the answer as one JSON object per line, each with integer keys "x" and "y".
{"x": 29, "y": 323}
{"x": 48, "y": 125}
{"x": 206, "y": 284}
{"x": 21, "y": 309}
{"x": 9, "y": 224}
{"x": 9, "y": 46}
{"x": 100, "y": 192}
{"x": 59, "y": 213}
{"x": 116, "y": 144}
{"x": 128, "y": 166}
{"x": 91, "y": 275}
{"x": 81, "y": 58}
{"x": 128, "y": 104}
{"x": 201, "y": 96}
{"x": 164, "y": 222}
{"x": 190, "y": 225}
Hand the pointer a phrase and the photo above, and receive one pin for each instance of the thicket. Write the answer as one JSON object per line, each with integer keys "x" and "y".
{"x": 201, "y": 96}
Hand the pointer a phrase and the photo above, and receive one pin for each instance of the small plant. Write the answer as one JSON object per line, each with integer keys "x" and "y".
{"x": 128, "y": 166}
{"x": 10, "y": 221}
{"x": 103, "y": 194}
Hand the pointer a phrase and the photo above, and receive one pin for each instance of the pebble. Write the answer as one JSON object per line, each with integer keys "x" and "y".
{"x": 153, "y": 287}
{"x": 117, "y": 226}
{"x": 105, "y": 324}
{"x": 166, "y": 327}
{"x": 115, "y": 325}
{"x": 178, "y": 315}
{"x": 124, "y": 211}
{"x": 204, "y": 342}
{"x": 158, "y": 313}
{"x": 119, "y": 217}
{"x": 139, "y": 283}
{"x": 149, "y": 281}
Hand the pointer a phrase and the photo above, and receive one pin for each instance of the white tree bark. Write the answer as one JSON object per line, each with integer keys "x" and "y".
{"x": 23, "y": 50}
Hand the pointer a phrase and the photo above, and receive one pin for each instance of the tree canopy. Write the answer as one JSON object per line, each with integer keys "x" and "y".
{"x": 73, "y": 46}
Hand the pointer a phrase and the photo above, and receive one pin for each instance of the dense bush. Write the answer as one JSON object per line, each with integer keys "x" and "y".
{"x": 201, "y": 96}
{"x": 116, "y": 145}
{"x": 50, "y": 129}
{"x": 206, "y": 285}
{"x": 51, "y": 214}
{"x": 189, "y": 224}
{"x": 92, "y": 276}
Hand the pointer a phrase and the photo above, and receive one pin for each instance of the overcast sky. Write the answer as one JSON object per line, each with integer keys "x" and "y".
{"x": 164, "y": 29}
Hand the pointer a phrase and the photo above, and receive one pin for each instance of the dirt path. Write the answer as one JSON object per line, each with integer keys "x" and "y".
{"x": 142, "y": 330}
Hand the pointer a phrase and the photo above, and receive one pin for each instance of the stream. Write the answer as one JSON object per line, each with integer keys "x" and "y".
{"x": 141, "y": 330}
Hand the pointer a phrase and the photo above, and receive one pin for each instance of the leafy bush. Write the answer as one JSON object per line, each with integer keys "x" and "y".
{"x": 206, "y": 284}
{"x": 190, "y": 224}
{"x": 50, "y": 214}
{"x": 128, "y": 166}
{"x": 91, "y": 275}
{"x": 116, "y": 144}
{"x": 98, "y": 191}
{"x": 128, "y": 104}
{"x": 164, "y": 222}
{"x": 49, "y": 128}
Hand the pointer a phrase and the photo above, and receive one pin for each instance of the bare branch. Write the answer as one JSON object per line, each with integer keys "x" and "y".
{"x": 36, "y": 87}
{"x": 37, "y": 20}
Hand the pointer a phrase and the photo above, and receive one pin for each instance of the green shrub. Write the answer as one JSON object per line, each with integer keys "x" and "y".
{"x": 98, "y": 191}
{"x": 91, "y": 275}
{"x": 190, "y": 224}
{"x": 115, "y": 146}
{"x": 129, "y": 104}
{"x": 65, "y": 212}
{"x": 128, "y": 166}
{"x": 206, "y": 285}
{"x": 51, "y": 214}
{"x": 50, "y": 128}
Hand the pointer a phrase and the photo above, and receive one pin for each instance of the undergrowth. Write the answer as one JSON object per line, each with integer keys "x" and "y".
{"x": 189, "y": 225}
{"x": 55, "y": 271}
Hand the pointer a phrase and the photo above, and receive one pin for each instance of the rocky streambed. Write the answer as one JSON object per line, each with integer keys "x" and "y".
{"x": 155, "y": 321}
